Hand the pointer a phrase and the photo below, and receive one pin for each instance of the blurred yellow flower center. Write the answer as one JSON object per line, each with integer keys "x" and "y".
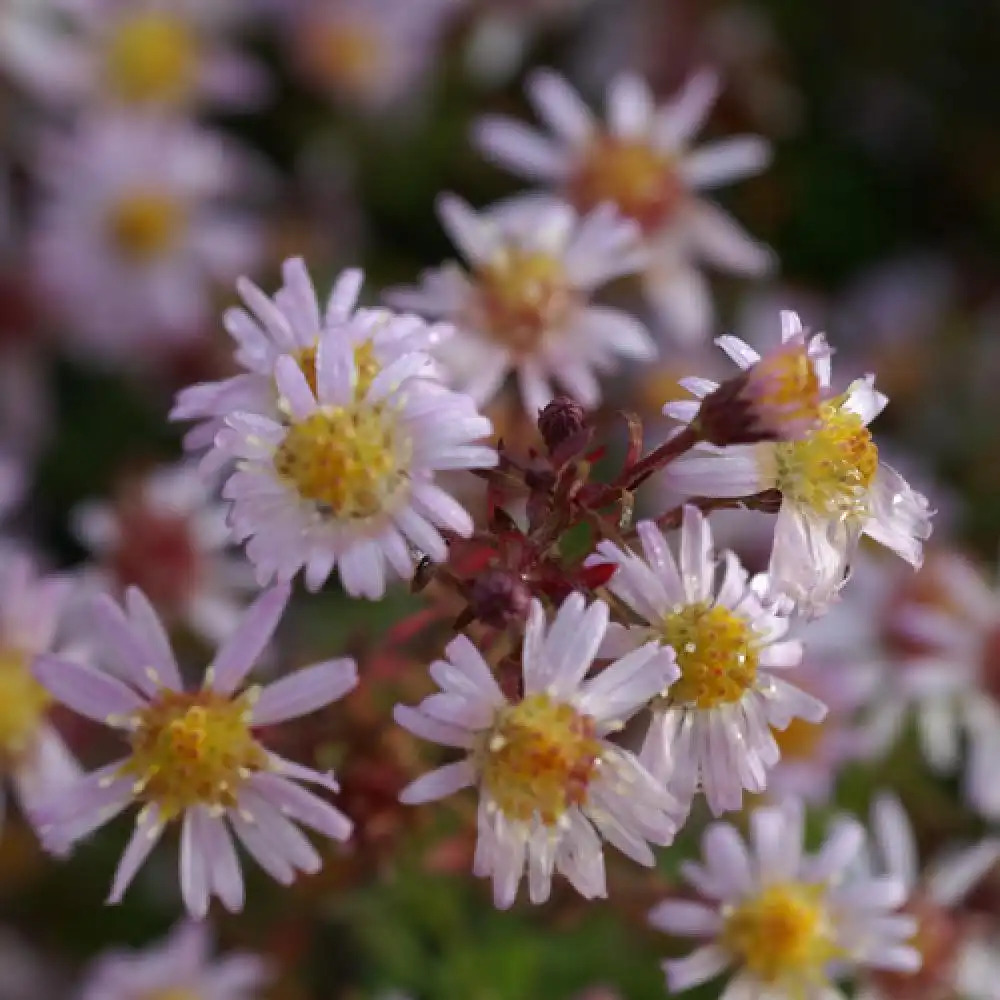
{"x": 23, "y": 703}
{"x": 783, "y": 935}
{"x": 145, "y": 224}
{"x": 342, "y": 55}
{"x": 831, "y": 469}
{"x": 173, "y": 994}
{"x": 785, "y": 390}
{"x": 193, "y": 749}
{"x": 520, "y": 295}
{"x": 539, "y": 759}
{"x": 152, "y": 55}
{"x": 365, "y": 362}
{"x": 350, "y": 462}
{"x": 799, "y": 740}
{"x": 639, "y": 180}
{"x": 716, "y": 652}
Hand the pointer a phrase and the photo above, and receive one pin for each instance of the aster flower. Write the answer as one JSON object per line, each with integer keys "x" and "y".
{"x": 291, "y": 323}
{"x": 132, "y": 231}
{"x": 195, "y": 756}
{"x": 790, "y": 923}
{"x": 550, "y": 782}
{"x": 641, "y": 162}
{"x": 524, "y": 305}
{"x": 712, "y": 729}
{"x": 945, "y": 938}
{"x": 346, "y": 481}
{"x": 366, "y": 54}
{"x": 179, "y": 966}
{"x": 833, "y": 487}
{"x": 33, "y": 757}
{"x": 166, "y": 534}
{"x": 149, "y": 54}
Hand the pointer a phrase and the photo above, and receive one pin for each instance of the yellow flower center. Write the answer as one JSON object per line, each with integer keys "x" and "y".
{"x": 632, "y": 175}
{"x": 539, "y": 759}
{"x": 348, "y": 57}
{"x": 799, "y": 740}
{"x": 152, "y": 56}
{"x": 520, "y": 296}
{"x": 144, "y": 225}
{"x": 831, "y": 469}
{"x": 193, "y": 749}
{"x": 783, "y": 935}
{"x": 365, "y": 362}
{"x": 23, "y": 704}
{"x": 350, "y": 462}
{"x": 717, "y": 654}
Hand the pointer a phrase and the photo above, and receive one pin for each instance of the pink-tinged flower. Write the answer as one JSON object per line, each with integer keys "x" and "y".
{"x": 149, "y": 54}
{"x": 640, "y": 160}
{"x": 12, "y": 485}
{"x": 178, "y": 968}
{"x": 790, "y": 923}
{"x": 291, "y": 323}
{"x": 34, "y": 760}
{"x": 195, "y": 755}
{"x": 833, "y": 487}
{"x": 133, "y": 232}
{"x": 949, "y": 944}
{"x": 711, "y": 731}
{"x": 166, "y": 533}
{"x": 345, "y": 479}
{"x": 366, "y": 54}
{"x": 551, "y": 784}
{"x": 524, "y": 304}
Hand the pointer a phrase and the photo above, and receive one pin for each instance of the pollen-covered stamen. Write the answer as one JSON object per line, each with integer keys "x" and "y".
{"x": 152, "y": 55}
{"x": 23, "y": 704}
{"x": 193, "y": 749}
{"x": 642, "y": 182}
{"x": 351, "y": 462}
{"x": 539, "y": 759}
{"x": 831, "y": 469}
{"x": 717, "y": 653}
{"x": 144, "y": 225}
{"x": 783, "y": 391}
{"x": 519, "y": 296}
{"x": 783, "y": 935}
{"x": 366, "y": 365}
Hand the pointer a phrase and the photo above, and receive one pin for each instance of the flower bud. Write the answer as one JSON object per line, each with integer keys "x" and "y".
{"x": 562, "y": 423}
{"x": 499, "y": 597}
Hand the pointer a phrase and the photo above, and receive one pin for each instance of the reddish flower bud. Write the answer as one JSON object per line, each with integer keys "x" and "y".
{"x": 499, "y": 598}
{"x": 562, "y": 423}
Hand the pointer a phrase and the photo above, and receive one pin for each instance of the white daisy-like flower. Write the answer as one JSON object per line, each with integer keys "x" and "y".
{"x": 291, "y": 322}
{"x": 788, "y": 922}
{"x": 524, "y": 304}
{"x": 133, "y": 232}
{"x": 158, "y": 54}
{"x": 833, "y": 487}
{"x": 954, "y": 684}
{"x": 641, "y": 161}
{"x": 712, "y": 730}
{"x": 346, "y": 478}
{"x": 551, "y": 783}
{"x": 948, "y": 944}
{"x": 166, "y": 533}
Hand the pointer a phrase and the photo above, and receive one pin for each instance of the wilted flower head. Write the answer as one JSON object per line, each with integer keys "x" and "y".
{"x": 178, "y": 968}
{"x": 550, "y": 782}
{"x": 833, "y": 486}
{"x": 788, "y": 922}
{"x": 640, "y": 160}
{"x": 523, "y": 305}
{"x": 195, "y": 756}
{"x": 166, "y": 533}
{"x": 132, "y": 232}
{"x": 711, "y": 731}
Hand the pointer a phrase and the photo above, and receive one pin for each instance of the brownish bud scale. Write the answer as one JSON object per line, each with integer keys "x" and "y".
{"x": 499, "y": 598}
{"x": 563, "y": 426}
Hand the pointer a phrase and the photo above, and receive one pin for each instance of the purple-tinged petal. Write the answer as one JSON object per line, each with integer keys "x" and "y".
{"x": 290, "y": 769}
{"x": 148, "y": 828}
{"x": 284, "y": 837}
{"x": 240, "y": 651}
{"x": 129, "y": 651}
{"x": 87, "y": 691}
{"x": 439, "y": 784}
{"x": 259, "y": 847}
{"x": 193, "y": 864}
{"x": 303, "y": 806}
{"x": 305, "y": 691}
{"x": 223, "y": 865}
{"x": 146, "y": 622}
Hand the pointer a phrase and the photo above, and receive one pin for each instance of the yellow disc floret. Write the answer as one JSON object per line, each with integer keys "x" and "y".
{"x": 366, "y": 365}
{"x": 717, "y": 653}
{"x": 144, "y": 225}
{"x": 539, "y": 759}
{"x": 152, "y": 56}
{"x": 783, "y": 935}
{"x": 832, "y": 468}
{"x": 23, "y": 703}
{"x": 641, "y": 181}
{"x": 193, "y": 749}
{"x": 520, "y": 295}
{"x": 351, "y": 462}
